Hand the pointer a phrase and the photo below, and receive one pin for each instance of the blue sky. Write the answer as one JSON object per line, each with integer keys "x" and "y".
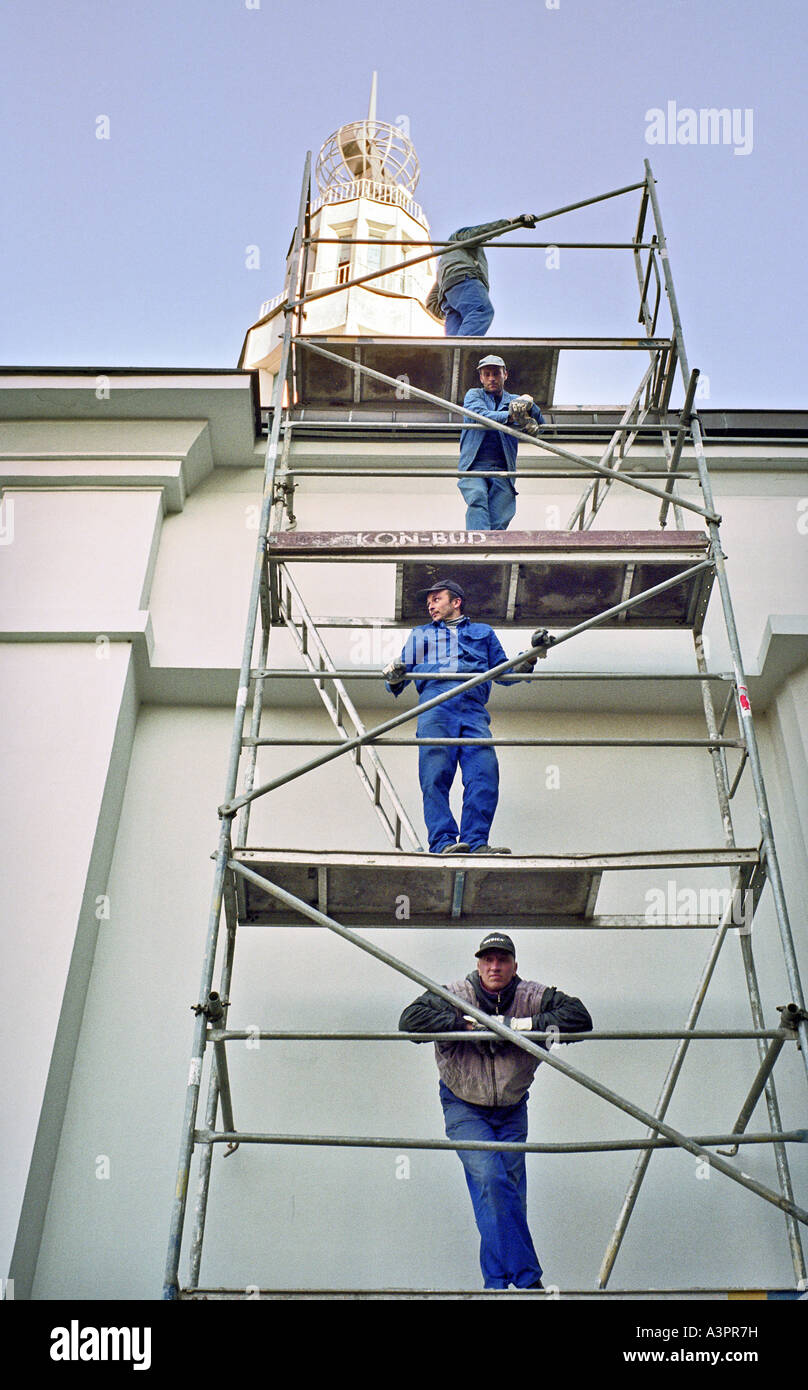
{"x": 131, "y": 251}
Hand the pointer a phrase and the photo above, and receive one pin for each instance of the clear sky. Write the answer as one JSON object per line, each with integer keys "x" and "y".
{"x": 132, "y": 250}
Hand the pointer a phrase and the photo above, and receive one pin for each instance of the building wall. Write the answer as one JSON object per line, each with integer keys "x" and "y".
{"x": 316, "y": 1217}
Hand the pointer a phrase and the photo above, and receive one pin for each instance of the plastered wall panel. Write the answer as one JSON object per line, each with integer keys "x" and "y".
{"x": 60, "y": 708}
{"x": 75, "y": 550}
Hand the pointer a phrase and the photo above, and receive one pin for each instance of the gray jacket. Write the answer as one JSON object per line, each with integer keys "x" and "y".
{"x": 493, "y": 1073}
{"x": 461, "y": 263}
{"x": 490, "y": 1073}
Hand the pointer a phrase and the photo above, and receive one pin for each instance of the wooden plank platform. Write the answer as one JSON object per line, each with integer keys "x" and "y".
{"x": 360, "y": 889}
{"x": 526, "y": 578}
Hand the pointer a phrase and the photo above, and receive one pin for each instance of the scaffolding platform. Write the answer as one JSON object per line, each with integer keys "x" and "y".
{"x": 552, "y": 1292}
{"x": 575, "y": 580}
{"x": 527, "y": 578}
{"x": 361, "y": 889}
{"x": 446, "y": 367}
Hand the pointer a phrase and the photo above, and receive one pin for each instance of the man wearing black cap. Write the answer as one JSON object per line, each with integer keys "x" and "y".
{"x": 483, "y": 1090}
{"x": 449, "y": 642}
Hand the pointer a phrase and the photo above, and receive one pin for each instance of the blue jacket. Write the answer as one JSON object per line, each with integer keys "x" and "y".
{"x": 485, "y": 404}
{"x": 466, "y": 648}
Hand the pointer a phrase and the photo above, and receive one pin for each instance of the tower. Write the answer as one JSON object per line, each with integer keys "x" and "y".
{"x": 364, "y": 218}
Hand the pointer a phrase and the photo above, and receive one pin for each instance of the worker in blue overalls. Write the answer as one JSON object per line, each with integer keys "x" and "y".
{"x": 451, "y": 642}
{"x": 491, "y": 502}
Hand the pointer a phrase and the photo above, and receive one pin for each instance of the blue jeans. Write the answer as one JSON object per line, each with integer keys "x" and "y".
{"x": 497, "y": 1183}
{"x": 468, "y": 309}
{"x": 490, "y": 502}
{"x": 437, "y": 768}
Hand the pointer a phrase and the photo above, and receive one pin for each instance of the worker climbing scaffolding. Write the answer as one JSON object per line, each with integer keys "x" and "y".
{"x": 459, "y": 295}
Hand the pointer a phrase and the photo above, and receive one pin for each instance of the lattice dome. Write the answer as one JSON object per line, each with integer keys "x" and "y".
{"x": 368, "y": 149}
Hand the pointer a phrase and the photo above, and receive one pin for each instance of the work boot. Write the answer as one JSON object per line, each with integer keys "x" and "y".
{"x": 490, "y": 849}
{"x": 460, "y": 848}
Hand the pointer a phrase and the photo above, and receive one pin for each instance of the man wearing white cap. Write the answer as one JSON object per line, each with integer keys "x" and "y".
{"x": 483, "y": 1090}
{"x": 491, "y": 501}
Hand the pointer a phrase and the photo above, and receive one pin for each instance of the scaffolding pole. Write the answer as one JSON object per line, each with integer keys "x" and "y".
{"x": 588, "y": 464}
{"x": 767, "y": 834}
{"x": 267, "y": 600}
{"x": 230, "y": 808}
{"x": 171, "y": 1278}
{"x": 484, "y": 239}
{"x": 518, "y": 1039}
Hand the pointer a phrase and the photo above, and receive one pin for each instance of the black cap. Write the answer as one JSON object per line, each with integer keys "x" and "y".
{"x": 497, "y": 941}
{"x": 449, "y": 584}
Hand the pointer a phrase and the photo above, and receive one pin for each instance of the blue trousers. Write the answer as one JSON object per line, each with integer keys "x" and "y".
{"x": 468, "y": 309}
{"x": 497, "y": 1183}
{"x": 436, "y": 773}
{"x": 490, "y": 502}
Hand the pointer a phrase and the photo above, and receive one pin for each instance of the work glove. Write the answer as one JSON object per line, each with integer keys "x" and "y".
{"x": 519, "y": 407}
{"x": 474, "y": 1027}
{"x": 520, "y": 1025}
{"x": 541, "y": 638}
{"x": 519, "y": 414}
{"x": 528, "y": 219}
{"x": 395, "y": 673}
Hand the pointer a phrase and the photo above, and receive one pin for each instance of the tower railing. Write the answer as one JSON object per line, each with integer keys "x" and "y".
{"x": 376, "y": 190}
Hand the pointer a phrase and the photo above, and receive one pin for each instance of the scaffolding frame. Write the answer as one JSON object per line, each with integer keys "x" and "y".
{"x": 276, "y": 599}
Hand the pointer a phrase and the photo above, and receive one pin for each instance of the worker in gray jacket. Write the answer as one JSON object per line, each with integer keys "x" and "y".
{"x": 483, "y": 1090}
{"x": 460, "y": 293}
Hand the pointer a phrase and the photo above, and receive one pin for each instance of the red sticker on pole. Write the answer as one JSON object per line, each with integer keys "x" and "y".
{"x": 743, "y": 700}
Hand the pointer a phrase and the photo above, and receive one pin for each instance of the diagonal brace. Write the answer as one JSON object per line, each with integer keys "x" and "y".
{"x": 230, "y": 807}
{"x": 519, "y": 1040}
{"x": 479, "y": 240}
{"x": 543, "y": 444}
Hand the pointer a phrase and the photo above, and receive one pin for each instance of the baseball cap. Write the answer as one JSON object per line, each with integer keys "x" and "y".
{"x": 491, "y": 361}
{"x": 443, "y": 584}
{"x": 497, "y": 941}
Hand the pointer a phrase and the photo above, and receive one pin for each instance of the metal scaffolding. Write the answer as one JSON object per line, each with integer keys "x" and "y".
{"x": 628, "y": 580}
